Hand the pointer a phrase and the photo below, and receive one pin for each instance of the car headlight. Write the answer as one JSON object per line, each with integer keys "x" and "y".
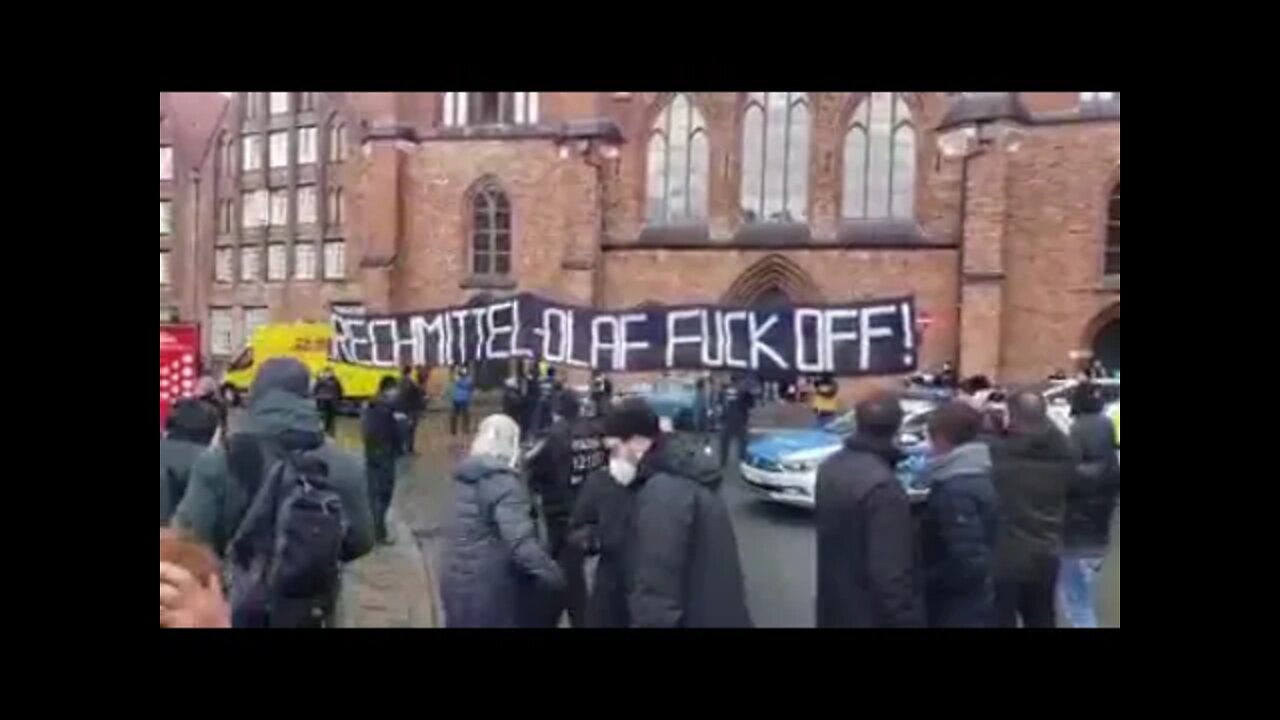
{"x": 799, "y": 466}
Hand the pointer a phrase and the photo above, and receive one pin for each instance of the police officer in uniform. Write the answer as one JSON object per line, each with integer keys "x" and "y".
{"x": 736, "y": 401}
{"x": 574, "y": 449}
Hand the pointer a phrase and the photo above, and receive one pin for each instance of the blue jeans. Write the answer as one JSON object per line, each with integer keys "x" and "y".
{"x": 1077, "y": 585}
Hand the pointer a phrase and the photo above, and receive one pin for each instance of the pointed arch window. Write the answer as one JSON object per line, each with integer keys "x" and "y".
{"x": 679, "y": 160}
{"x": 880, "y": 160}
{"x": 775, "y": 157}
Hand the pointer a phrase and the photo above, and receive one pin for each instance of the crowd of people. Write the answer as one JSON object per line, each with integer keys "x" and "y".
{"x": 271, "y": 513}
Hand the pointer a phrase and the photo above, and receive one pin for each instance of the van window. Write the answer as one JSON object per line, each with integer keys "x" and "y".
{"x": 244, "y": 360}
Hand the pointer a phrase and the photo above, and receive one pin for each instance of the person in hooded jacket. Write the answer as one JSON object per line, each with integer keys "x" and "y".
{"x": 281, "y": 415}
{"x": 190, "y": 428}
{"x": 960, "y": 522}
{"x": 1033, "y": 464}
{"x": 682, "y": 568}
{"x": 491, "y": 546}
{"x": 866, "y": 545}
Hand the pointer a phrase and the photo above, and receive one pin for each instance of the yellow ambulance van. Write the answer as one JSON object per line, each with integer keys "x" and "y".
{"x": 309, "y": 344}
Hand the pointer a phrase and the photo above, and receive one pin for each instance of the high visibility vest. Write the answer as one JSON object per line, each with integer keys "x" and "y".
{"x": 1115, "y": 420}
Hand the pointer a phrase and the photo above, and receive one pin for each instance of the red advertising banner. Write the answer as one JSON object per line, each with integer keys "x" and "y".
{"x": 179, "y": 364}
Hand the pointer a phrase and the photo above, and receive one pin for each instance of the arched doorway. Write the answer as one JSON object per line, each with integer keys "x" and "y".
{"x": 1102, "y": 338}
{"x": 1106, "y": 345}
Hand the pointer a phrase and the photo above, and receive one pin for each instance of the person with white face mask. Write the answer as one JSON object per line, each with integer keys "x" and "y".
{"x": 680, "y": 565}
{"x": 492, "y": 555}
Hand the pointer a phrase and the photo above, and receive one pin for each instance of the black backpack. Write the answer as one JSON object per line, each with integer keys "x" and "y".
{"x": 286, "y": 555}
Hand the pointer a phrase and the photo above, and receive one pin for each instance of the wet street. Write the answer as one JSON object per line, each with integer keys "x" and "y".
{"x": 776, "y": 544}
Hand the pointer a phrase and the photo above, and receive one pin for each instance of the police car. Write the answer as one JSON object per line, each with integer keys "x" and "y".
{"x": 1057, "y": 395}
{"x": 782, "y": 465}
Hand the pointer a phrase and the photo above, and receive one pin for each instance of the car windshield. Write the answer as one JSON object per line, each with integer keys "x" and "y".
{"x": 244, "y": 360}
{"x": 843, "y": 425}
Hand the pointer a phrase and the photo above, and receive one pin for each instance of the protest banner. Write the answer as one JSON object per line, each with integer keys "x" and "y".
{"x": 872, "y": 337}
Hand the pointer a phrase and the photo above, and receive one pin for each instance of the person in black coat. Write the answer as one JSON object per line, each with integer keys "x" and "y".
{"x": 382, "y": 447}
{"x": 412, "y": 403}
{"x": 328, "y": 393}
{"x": 1092, "y": 495}
{"x": 1033, "y": 464}
{"x": 681, "y": 554}
{"x": 599, "y": 527}
{"x": 960, "y": 523}
{"x": 573, "y": 449}
{"x": 866, "y": 548}
{"x": 512, "y": 399}
{"x": 736, "y": 401}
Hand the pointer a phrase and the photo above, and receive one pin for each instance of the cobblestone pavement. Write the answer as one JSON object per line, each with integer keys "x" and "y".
{"x": 390, "y": 587}
{"x": 396, "y": 586}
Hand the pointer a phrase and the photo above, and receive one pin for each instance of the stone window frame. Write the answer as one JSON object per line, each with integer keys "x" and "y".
{"x": 463, "y": 109}
{"x": 658, "y": 127}
{"x": 852, "y": 122}
{"x": 1111, "y": 230}
{"x": 489, "y": 189}
{"x": 793, "y": 102}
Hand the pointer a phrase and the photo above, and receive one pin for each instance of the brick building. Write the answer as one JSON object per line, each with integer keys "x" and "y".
{"x": 999, "y": 211}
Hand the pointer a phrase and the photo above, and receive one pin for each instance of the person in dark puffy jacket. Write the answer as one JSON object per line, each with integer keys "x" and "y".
{"x": 682, "y": 568}
{"x": 1033, "y": 463}
{"x": 599, "y": 527}
{"x": 281, "y": 413}
{"x": 866, "y": 547}
{"x": 491, "y": 548}
{"x": 960, "y": 523}
{"x": 1092, "y": 495}
{"x": 190, "y": 428}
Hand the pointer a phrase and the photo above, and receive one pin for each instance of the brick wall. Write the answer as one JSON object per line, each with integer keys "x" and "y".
{"x": 1060, "y": 179}
{"x": 1034, "y": 232}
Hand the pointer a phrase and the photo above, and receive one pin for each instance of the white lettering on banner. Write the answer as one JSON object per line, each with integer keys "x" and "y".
{"x": 869, "y": 333}
{"x": 908, "y": 335}
{"x": 598, "y": 343}
{"x": 834, "y": 336}
{"x": 373, "y": 334}
{"x": 458, "y": 332}
{"x": 707, "y": 337}
{"x": 399, "y": 343}
{"x": 516, "y": 350}
{"x": 353, "y": 347}
{"x": 806, "y": 339}
{"x": 727, "y": 334}
{"x": 571, "y": 357}
{"x": 673, "y": 339}
{"x": 340, "y": 344}
{"x": 802, "y": 362}
{"x": 547, "y": 316}
{"x": 445, "y": 354}
{"x": 479, "y": 315}
{"x": 757, "y": 334}
{"x": 422, "y": 330}
{"x": 495, "y": 330}
{"x": 620, "y": 360}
